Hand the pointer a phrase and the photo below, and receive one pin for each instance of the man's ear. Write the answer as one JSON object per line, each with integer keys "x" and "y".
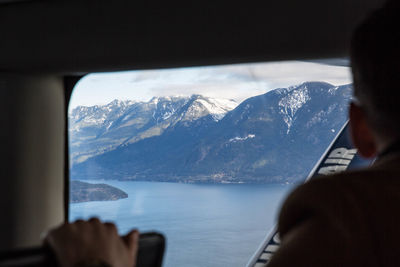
{"x": 361, "y": 133}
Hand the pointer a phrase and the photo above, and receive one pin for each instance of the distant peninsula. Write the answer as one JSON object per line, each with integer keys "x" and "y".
{"x": 84, "y": 192}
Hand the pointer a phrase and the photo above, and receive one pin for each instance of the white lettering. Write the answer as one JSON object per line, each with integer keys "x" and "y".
{"x": 341, "y": 157}
{"x": 272, "y": 248}
{"x": 277, "y": 238}
{"x": 338, "y": 161}
{"x": 343, "y": 153}
{"x": 332, "y": 169}
{"x": 266, "y": 256}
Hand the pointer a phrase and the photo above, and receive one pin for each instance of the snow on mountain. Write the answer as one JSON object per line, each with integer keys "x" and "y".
{"x": 236, "y": 139}
{"x": 296, "y": 97}
{"x": 96, "y": 129}
{"x": 200, "y": 106}
{"x": 97, "y": 115}
{"x": 217, "y": 107}
{"x": 165, "y": 107}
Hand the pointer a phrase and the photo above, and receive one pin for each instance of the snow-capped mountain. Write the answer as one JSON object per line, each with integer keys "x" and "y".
{"x": 201, "y": 106}
{"x": 96, "y": 116}
{"x": 275, "y": 137}
{"x": 98, "y": 129}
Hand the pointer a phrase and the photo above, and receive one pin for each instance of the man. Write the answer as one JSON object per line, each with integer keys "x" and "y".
{"x": 353, "y": 218}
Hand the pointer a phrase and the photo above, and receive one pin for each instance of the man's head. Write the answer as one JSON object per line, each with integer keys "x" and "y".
{"x": 375, "y": 59}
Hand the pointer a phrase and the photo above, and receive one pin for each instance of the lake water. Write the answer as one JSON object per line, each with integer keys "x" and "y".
{"x": 205, "y": 224}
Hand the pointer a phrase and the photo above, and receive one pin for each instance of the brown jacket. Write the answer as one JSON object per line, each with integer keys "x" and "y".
{"x": 348, "y": 219}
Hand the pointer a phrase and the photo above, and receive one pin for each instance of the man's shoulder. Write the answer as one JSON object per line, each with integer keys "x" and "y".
{"x": 325, "y": 186}
{"x": 337, "y": 197}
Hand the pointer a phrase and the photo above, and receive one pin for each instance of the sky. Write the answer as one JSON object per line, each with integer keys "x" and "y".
{"x": 238, "y": 82}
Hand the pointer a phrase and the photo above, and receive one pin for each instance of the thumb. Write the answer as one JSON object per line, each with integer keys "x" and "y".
{"x": 132, "y": 242}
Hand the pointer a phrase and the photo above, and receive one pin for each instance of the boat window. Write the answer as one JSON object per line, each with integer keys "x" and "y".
{"x": 205, "y": 155}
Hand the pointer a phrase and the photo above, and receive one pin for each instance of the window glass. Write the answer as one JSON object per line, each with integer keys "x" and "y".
{"x": 205, "y": 155}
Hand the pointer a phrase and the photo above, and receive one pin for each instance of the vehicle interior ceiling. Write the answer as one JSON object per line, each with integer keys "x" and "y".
{"x": 46, "y": 45}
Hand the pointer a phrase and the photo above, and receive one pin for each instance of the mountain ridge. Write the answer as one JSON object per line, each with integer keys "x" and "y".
{"x": 101, "y": 128}
{"x": 274, "y": 137}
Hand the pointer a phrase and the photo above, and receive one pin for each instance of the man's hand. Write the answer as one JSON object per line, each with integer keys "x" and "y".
{"x": 90, "y": 242}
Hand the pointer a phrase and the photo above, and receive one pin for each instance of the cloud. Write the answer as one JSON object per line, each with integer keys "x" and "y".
{"x": 229, "y": 81}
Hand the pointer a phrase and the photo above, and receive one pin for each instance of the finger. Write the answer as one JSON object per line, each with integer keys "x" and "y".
{"x": 54, "y": 237}
{"x": 94, "y": 220}
{"x": 79, "y": 222}
{"x": 132, "y": 242}
{"x": 79, "y": 226}
{"x": 53, "y": 232}
{"x": 111, "y": 227}
{"x": 44, "y": 235}
{"x": 95, "y": 223}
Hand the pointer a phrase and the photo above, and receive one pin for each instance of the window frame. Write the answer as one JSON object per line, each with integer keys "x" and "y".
{"x": 69, "y": 85}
